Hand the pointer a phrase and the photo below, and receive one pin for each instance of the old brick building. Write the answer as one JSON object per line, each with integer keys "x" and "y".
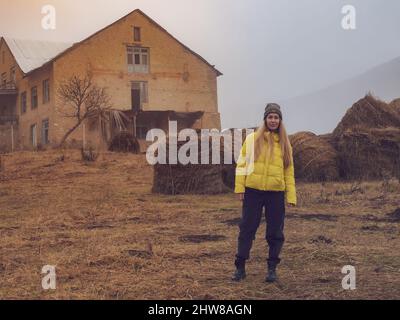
{"x": 143, "y": 67}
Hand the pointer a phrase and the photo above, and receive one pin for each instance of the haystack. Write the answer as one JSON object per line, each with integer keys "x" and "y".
{"x": 195, "y": 178}
{"x": 124, "y": 142}
{"x": 369, "y": 112}
{"x": 368, "y": 140}
{"x": 395, "y": 104}
{"x": 369, "y": 153}
{"x": 314, "y": 157}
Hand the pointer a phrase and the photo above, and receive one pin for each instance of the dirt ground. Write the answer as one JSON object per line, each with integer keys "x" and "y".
{"x": 111, "y": 238}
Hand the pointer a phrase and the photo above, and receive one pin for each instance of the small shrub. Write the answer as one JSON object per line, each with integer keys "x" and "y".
{"x": 89, "y": 155}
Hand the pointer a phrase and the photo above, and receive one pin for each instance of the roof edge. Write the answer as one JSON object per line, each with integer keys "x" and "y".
{"x": 117, "y": 21}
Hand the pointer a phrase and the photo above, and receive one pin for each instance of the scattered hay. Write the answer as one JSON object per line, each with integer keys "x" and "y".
{"x": 198, "y": 238}
{"x": 140, "y": 253}
{"x": 321, "y": 239}
{"x": 315, "y": 159}
{"x": 99, "y": 226}
{"x": 146, "y": 254}
{"x": 124, "y": 142}
{"x": 316, "y": 216}
{"x": 370, "y": 228}
{"x": 232, "y": 222}
{"x": 395, "y": 215}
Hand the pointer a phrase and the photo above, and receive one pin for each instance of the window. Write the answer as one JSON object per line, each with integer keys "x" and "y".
{"x": 34, "y": 98}
{"x": 23, "y": 102}
{"x": 46, "y": 91}
{"x": 136, "y": 34}
{"x": 138, "y": 59}
{"x": 45, "y": 131}
{"x": 33, "y": 135}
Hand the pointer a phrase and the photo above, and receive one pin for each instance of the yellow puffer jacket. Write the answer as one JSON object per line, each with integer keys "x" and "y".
{"x": 265, "y": 174}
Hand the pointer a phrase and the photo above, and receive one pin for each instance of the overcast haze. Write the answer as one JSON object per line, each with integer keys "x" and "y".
{"x": 268, "y": 50}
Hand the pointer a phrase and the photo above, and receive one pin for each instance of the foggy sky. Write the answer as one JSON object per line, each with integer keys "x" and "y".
{"x": 268, "y": 50}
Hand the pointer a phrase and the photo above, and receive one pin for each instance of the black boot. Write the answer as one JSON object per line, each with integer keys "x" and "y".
{"x": 240, "y": 272}
{"x": 271, "y": 276}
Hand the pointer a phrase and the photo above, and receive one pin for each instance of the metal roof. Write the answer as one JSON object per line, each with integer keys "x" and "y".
{"x": 32, "y": 54}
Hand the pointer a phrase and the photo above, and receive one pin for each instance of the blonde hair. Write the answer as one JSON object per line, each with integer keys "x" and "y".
{"x": 284, "y": 142}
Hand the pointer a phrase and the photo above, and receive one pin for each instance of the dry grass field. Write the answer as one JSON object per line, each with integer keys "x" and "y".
{"x": 111, "y": 238}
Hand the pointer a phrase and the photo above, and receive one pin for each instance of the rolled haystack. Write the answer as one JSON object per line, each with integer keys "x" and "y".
{"x": 368, "y": 139}
{"x": 195, "y": 178}
{"x": 124, "y": 142}
{"x": 395, "y": 104}
{"x": 315, "y": 159}
{"x": 369, "y": 112}
{"x": 369, "y": 153}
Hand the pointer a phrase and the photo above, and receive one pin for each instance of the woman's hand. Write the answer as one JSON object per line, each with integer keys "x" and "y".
{"x": 241, "y": 196}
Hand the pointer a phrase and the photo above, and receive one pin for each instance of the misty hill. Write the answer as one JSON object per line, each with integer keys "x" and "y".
{"x": 322, "y": 110}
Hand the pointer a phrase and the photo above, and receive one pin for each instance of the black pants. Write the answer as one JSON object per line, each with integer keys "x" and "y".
{"x": 253, "y": 203}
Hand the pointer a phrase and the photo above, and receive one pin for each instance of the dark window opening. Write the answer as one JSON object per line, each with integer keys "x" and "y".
{"x": 139, "y": 94}
{"x": 34, "y": 98}
{"x": 45, "y": 131}
{"x": 46, "y": 91}
{"x": 136, "y": 34}
{"x": 23, "y": 102}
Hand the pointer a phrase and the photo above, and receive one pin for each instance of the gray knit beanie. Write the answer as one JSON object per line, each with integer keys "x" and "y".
{"x": 272, "y": 108}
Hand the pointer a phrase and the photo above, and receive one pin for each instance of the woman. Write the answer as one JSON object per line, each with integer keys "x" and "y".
{"x": 266, "y": 182}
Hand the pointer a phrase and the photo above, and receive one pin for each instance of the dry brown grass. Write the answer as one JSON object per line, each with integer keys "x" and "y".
{"x": 111, "y": 238}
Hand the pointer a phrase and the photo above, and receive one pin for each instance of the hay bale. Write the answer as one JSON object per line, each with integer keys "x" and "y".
{"x": 395, "y": 104}
{"x": 369, "y": 153}
{"x": 124, "y": 142}
{"x": 195, "y": 178}
{"x": 315, "y": 159}
{"x": 368, "y": 140}
{"x": 369, "y": 112}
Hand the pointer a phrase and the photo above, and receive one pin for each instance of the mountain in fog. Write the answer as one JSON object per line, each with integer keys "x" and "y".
{"x": 321, "y": 111}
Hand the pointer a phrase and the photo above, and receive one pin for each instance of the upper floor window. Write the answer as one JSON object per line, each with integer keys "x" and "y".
{"x": 34, "y": 98}
{"x": 13, "y": 75}
{"x": 138, "y": 59}
{"x": 23, "y": 102}
{"x": 46, "y": 91}
{"x": 136, "y": 34}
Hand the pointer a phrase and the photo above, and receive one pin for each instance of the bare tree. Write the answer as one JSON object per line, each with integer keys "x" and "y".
{"x": 82, "y": 100}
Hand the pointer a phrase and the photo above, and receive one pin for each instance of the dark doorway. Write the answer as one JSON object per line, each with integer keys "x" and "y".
{"x": 135, "y": 95}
